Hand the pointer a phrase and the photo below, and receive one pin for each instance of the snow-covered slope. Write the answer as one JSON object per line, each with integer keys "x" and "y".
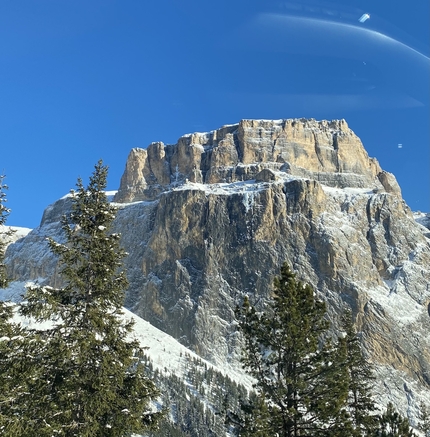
{"x": 212, "y": 218}
{"x": 167, "y": 355}
{"x": 189, "y": 385}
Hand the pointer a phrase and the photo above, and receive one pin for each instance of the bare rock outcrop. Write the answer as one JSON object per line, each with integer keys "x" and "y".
{"x": 214, "y": 217}
{"x": 325, "y": 151}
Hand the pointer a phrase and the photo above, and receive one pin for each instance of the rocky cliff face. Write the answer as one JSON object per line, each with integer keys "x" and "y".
{"x": 213, "y": 217}
{"x": 325, "y": 151}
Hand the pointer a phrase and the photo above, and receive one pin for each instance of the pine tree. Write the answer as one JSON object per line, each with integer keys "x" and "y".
{"x": 5, "y": 310}
{"x": 11, "y": 336}
{"x": 85, "y": 376}
{"x": 361, "y": 406}
{"x": 424, "y": 417}
{"x": 301, "y": 389}
{"x": 255, "y": 417}
{"x": 6, "y": 328}
{"x": 392, "y": 424}
{"x": 14, "y": 387}
{"x": 5, "y": 233}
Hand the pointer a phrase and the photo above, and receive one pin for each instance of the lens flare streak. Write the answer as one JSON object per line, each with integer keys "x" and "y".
{"x": 364, "y": 18}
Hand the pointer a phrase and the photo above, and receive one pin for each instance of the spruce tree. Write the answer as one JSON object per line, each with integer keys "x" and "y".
{"x": 301, "y": 389}
{"x": 361, "y": 406}
{"x": 4, "y": 231}
{"x": 85, "y": 374}
{"x": 255, "y": 417}
{"x": 393, "y": 424}
{"x": 6, "y": 328}
{"x": 11, "y": 336}
{"x": 14, "y": 371}
{"x": 424, "y": 417}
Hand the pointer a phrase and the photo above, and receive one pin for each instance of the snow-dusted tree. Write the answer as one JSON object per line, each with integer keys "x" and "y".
{"x": 424, "y": 417}
{"x": 85, "y": 377}
{"x": 4, "y": 232}
{"x": 10, "y": 336}
{"x": 393, "y": 424}
{"x": 6, "y": 327}
{"x": 299, "y": 382}
{"x": 361, "y": 406}
{"x": 255, "y": 418}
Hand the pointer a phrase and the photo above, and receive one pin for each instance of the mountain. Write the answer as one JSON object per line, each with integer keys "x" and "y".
{"x": 194, "y": 389}
{"x": 212, "y": 218}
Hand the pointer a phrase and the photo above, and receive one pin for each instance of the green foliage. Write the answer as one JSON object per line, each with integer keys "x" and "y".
{"x": 256, "y": 417}
{"x": 392, "y": 424}
{"x": 301, "y": 389}
{"x": 205, "y": 403}
{"x": 361, "y": 406}
{"x": 84, "y": 374}
{"x": 5, "y": 310}
{"x": 86, "y": 378}
{"x": 11, "y": 334}
{"x": 424, "y": 417}
{"x": 5, "y": 233}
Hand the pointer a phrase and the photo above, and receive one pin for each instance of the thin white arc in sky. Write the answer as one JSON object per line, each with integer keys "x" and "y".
{"x": 336, "y": 27}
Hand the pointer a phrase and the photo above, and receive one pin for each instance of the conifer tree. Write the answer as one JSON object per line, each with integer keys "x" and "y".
{"x": 392, "y": 424}
{"x": 11, "y": 336}
{"x": 5, "y": 233}
{"x": 85, "y": 376}
{"x": 13, "y": 381}
{"x": 6, "y": 328}
{"x": 299, "y": 382}
{"x": 424, "y": 417}
{"x": 361, "y": 406}
{"x": 255, "y": 418}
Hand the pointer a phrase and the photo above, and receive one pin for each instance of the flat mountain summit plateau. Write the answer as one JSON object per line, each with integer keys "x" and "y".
{"x": 212, "y": 218}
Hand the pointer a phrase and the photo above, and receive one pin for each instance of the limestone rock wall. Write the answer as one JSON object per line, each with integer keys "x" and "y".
{"x": 326, "y": 151}
{"x": 302, "y": 191}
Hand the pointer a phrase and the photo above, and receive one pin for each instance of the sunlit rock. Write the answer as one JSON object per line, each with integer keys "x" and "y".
{"x": 214, "y": 217}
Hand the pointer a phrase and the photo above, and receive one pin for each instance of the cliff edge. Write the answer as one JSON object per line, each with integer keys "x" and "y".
{"x": 327, "y": 151}
{"x": 213, "y": 217}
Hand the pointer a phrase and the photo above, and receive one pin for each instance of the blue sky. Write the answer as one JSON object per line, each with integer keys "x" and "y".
{"x": 84, "y": 80}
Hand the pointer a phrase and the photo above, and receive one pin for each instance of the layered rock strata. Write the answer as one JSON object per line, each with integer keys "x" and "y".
{"x": 328, "y": 152}
{"x": 213, "y": 217}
